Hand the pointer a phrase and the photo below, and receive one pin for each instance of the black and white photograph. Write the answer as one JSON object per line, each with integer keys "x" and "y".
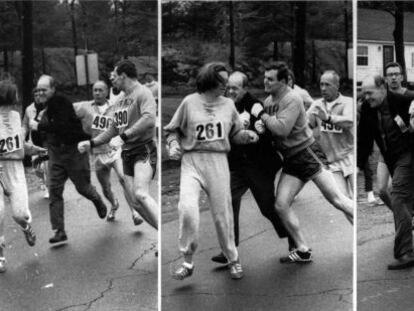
{"x": 385, "y": 79}
{"x": 258, "y": 155}
{"x": 79, "y": 204}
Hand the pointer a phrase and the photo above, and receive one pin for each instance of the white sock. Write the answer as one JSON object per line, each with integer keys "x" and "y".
{"x": 371, "y": 196}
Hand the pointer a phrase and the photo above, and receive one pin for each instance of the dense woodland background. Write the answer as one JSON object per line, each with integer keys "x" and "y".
{"x": 309, "y": 36}
{"x": 39, "y": 37}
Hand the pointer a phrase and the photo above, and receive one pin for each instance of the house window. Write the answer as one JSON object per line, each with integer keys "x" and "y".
{"x": 362, "y": 56}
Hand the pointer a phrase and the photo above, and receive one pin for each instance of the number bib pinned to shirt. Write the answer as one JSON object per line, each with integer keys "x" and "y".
{"x": 121, "y": 118}
{"x": 10, "y": 143}
{"x": 209, "y": 131}
{"x": 101, "y": 122}
{"x": 10, "y": 134}
{"x": 330, "y": 128}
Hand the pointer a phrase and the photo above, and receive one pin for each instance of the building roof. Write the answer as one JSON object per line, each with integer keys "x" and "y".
{"x": 378, "y": 25}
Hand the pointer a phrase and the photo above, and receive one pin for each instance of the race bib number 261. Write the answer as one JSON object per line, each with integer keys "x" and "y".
{"x": 10, "y": 144}
{"x": 209, "y": 131}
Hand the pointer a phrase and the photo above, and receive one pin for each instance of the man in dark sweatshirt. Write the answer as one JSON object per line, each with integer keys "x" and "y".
{"x": 64, "y": 131}
{"x": 385, "y": 119}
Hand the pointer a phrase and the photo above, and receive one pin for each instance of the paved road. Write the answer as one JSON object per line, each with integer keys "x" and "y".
{"x": 379, "y": 289}
{"x": 104, "y": 266}
{"x": 326, "y": 284}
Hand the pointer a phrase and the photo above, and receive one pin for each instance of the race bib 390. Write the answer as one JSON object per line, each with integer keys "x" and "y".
{"x": 121, "y": 118}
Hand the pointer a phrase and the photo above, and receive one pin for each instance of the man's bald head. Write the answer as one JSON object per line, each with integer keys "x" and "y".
{"x": 46, "y": 87}
{"x": 329, "y": 85}
{"x": 374, "y": 90}
{"x": 100, "y": 91}
{"x": 237, "y": 85}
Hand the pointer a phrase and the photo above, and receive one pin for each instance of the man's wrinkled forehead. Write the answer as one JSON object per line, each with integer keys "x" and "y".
{"x": 43, "y": 82}
{"x": 368, "y": 83}
{"x": 272, "y": 73}
{"x": 100, "y": 85}
{"x": 236, "y": 80}
{"x": 393, "y": 69}
{"x": 328, "y": 78}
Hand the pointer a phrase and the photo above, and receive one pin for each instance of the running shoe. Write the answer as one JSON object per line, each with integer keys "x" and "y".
{"x": 46, "y": 193}
{"x": 29, "y": 235}
{"x": 111, "y": 214}
{"x": 220, "y": 258}
{"x": 182, "y": 272}
{"x": 236, "y": 270}
{"x": 59, "y": 236}
{"x": 297, "y": 256}
{"x": 3, "y": 266}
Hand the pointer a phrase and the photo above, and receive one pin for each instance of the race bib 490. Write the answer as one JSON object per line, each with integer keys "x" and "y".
{"x": 121, "y": 118}
{"x": 101, "y": 122}
{"x": 10, "y": 143}
{"x": 209, "y": 131}
{"x": 330, "y": 128}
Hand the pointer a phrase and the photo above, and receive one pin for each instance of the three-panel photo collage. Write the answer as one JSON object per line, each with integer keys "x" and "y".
{"x": 175, "y": 155}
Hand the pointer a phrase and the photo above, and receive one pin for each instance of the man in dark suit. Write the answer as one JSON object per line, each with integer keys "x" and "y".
{"x": 253, "y": 166}
{"x": 63, "y": 131}
{"x": 385, "y": 119}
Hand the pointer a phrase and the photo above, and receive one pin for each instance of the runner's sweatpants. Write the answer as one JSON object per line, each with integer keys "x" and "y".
{"x": 13, "y": 185}
{"x": 208, "y": 171}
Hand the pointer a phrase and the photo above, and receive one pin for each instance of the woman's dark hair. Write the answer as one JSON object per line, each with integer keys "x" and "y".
{"x": 8, "y": 93}
{"x": 208, "y": 77}
{"x": 292, "y": 76}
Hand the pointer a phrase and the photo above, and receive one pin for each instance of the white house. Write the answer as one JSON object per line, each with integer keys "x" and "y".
{"x": 375, "y": 46}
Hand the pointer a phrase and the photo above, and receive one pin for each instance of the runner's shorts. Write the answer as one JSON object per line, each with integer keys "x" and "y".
{"x": 143, "y": 153}
{"x": 306, "y": 164}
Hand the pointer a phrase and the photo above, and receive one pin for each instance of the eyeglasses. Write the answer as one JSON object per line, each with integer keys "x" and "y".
{"x": 392, "y": 74}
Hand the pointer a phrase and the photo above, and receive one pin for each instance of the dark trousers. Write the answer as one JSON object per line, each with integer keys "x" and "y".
{"x": 368, "y": 176}
{"x": 401, "y": 199}
{"x": 261, "y": 184}
{"x": 66, "y": 162}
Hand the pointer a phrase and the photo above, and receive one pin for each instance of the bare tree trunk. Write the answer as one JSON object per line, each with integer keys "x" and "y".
{"x": 124, "y": 47}
{"x": 314, "y": 77}
{"x": 27, "y": 55}
{"x": 300, "y": 42}
{"x": 346, "y": 27}
{"x": 275, "y": 50}
{"x": 116, "y": 27}
{"x": 5, "y": 59}
{"x": 231, "y": 30}
{"x": 44, "y": 60}
{"x": 398, "y": 34}
{"x": 74, "y": 37}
